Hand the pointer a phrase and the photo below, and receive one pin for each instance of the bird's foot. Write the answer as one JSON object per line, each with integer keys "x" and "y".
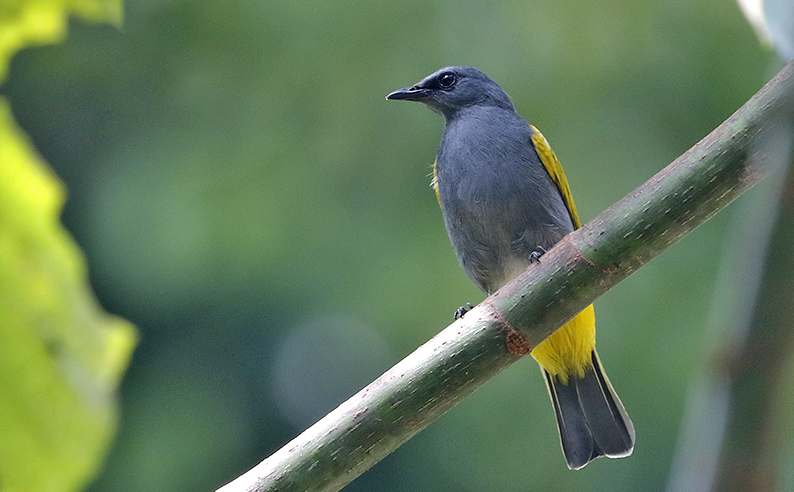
{"x": 462, "y": 310}
{"x": 534, "y": 257}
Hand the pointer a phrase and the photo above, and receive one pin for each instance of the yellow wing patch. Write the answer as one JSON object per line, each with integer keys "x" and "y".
{"x": 434, "y": 183}
{"x": 553, "y": 166}
{"x": 566, "y": 353}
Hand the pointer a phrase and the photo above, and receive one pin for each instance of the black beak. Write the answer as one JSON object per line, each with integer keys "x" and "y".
{"x": 414, "y": 93}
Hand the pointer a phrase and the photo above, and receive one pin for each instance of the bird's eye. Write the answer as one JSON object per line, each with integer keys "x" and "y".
{"x": 447, "y": 80}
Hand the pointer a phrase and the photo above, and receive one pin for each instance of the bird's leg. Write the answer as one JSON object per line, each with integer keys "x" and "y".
{"x": 462, "y": 310}
{"x": 535, "y": 255}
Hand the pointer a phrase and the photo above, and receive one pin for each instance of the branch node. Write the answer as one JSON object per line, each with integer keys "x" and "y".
{"x": 515, "y": 342}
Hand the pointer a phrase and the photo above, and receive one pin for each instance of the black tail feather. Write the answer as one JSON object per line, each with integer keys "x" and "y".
{"x": 590, "y": 417}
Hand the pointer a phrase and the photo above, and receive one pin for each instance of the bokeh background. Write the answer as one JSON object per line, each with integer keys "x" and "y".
{"x": 247, "y": 197}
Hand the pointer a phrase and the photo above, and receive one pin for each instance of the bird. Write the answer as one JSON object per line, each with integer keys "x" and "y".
{"x": 505, "y": 201}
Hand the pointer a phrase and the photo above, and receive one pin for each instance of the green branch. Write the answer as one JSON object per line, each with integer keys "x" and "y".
{"x": 584, "y": 265}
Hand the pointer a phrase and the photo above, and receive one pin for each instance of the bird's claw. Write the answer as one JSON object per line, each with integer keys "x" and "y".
{"x": 463, "y": 310}
{"x": 534, "y": 257}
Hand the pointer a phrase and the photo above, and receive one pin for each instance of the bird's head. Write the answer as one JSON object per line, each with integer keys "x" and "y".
{"x": 451, "y": 89}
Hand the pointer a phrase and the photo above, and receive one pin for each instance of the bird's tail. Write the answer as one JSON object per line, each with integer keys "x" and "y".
{"x": 590, "y": 416}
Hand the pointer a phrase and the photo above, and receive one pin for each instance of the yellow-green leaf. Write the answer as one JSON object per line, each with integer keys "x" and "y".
{"x": 61, "y": 355}
{"x": 28, "y": 22}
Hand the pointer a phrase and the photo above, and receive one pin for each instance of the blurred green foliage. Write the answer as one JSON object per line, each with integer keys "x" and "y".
{"x": 31, "y": 22}
{"x": 244, "y": 192}
{"x": 61, "y": 356}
